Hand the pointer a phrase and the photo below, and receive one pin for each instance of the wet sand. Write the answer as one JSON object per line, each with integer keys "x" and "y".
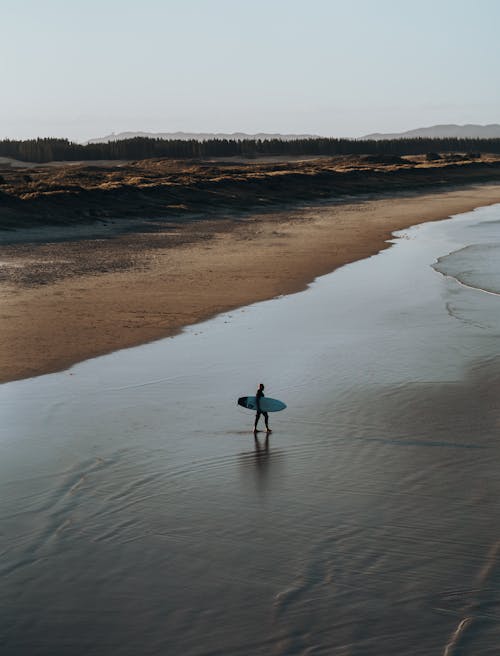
{"x": 140, "y": 516}
{"x": 63, "y": 302}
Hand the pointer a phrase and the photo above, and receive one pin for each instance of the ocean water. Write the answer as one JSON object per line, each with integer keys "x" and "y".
{"x": 139, "y": 515}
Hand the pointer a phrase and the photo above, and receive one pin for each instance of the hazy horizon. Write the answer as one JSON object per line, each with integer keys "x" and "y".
{"x": 83, "y": 70}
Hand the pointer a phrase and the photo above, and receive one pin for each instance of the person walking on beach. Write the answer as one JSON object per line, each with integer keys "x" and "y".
{"x": 258, "y": 396}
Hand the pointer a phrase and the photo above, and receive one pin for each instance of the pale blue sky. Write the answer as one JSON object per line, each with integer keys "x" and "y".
{"x": 84, "y": 68}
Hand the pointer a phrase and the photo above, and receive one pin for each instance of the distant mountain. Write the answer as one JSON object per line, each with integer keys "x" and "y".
{"x": 199, "y": 136}
{"x": 443, "y": 131}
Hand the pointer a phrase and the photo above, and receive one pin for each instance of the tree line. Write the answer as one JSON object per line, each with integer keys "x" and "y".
{"x": 51, "y": 149}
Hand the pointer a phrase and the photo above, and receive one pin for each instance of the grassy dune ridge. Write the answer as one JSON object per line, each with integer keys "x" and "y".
{"x": 80, "y": 193}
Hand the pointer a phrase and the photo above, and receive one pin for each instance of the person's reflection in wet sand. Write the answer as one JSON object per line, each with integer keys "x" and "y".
{"x": 261, "y": 458}
{"x": 259, "y": 465}
{"x": 261, "y": 451}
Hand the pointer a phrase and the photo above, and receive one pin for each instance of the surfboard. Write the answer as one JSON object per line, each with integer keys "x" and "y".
{"x": 266, "y": 403}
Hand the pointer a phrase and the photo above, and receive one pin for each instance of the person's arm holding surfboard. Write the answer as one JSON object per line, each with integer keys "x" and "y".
{"x": 258, "y": 396}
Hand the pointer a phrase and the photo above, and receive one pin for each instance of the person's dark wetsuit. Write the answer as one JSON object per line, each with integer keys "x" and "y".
{"x": 258, "y": 396}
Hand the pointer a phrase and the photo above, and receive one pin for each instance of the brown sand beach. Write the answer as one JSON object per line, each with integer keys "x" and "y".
{"x": 66, "y": 301}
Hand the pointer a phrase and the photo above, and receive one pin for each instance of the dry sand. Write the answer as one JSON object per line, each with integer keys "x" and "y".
{"x": 68, "y": 301}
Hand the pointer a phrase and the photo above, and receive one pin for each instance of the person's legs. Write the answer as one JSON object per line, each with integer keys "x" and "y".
{"x": 266, "y": 419}
{"x": 257, "y": 417}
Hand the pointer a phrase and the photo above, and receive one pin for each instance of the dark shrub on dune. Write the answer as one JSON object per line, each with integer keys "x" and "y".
{"x": 384, "y": 159}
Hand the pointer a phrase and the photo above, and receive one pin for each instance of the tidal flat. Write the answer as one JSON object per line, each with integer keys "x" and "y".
{"x": 140, "y": 514}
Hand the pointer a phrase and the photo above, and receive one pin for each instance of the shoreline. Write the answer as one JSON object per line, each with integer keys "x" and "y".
{"x": 65, "y": 302}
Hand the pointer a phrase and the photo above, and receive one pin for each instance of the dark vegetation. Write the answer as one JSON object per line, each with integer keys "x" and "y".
{"x": 50, "y": 150}
{"x": 184, "y": 189}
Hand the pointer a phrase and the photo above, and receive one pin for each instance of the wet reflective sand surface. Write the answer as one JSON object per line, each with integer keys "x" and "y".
{"x": 140, "y": 516}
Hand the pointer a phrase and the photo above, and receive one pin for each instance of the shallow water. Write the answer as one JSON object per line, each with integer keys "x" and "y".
{"x": 140, "y": 516}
